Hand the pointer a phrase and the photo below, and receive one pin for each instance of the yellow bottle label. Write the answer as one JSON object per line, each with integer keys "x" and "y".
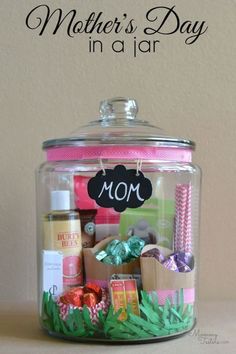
{"x": 65, "y": 236}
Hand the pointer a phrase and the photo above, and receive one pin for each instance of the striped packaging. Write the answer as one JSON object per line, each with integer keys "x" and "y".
{"x": 183, "y": 222}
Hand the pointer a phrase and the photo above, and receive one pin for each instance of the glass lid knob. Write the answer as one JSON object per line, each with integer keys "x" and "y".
{"x": 118, "y": 107}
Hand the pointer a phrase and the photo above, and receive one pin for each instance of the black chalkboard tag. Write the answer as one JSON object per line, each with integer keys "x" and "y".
{"x": 119, "y": 188}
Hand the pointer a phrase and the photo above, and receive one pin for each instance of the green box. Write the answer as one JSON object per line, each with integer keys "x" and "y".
{"x": 154, "y": 222}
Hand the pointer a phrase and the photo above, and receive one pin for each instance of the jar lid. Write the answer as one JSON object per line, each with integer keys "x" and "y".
{"x": 118, "y": 125}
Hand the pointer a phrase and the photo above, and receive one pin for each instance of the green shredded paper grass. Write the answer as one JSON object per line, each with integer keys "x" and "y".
{"x": 154, "y": 321}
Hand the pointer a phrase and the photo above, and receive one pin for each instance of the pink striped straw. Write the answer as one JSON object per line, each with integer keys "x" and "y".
{"x": 183, "y": 229}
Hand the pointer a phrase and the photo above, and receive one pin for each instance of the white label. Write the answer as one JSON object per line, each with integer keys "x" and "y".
{"x": 52, "y": 272}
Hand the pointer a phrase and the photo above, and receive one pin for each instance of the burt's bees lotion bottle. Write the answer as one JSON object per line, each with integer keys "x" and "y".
{"x": 62, "y": 233}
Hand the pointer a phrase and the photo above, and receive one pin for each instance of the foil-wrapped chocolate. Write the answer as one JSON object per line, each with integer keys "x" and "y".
{"x": 182, "y": 262}
{"x": 170, "y": 264}
{"x": 89, "y": 295}
{"x": 74, "y": 296}
{"x": 118, "y": 252}
{"x": 123, "y": 250}
{"x": 116, "y": 260}
{"x": 90, "y": 299}
{"x": 91, "y": 287}
{"x": 110, "y": 249}
{"x": 136, "y": 245}
{"x": 101, "y": 255}
{"x": 185, "y": 258}
{"x": 156, "y": 253}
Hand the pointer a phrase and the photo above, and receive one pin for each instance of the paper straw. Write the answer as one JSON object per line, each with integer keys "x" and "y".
{"x": 183, "y": 229}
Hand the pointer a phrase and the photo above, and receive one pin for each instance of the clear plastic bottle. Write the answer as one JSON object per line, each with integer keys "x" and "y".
{"x": 62, "y": 235}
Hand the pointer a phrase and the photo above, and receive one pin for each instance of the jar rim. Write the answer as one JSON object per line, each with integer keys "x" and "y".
{"x": 124, "y": 140}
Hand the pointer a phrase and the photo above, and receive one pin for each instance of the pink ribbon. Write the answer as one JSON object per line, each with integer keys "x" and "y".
{"x": 118, "y": 152}
{"x": 189, "y": 295}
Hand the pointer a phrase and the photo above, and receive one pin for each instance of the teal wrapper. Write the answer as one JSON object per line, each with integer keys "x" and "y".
{"x": 118, "y": 252}
{"x": 136, "y": 245}
{"x": 100, "y": 255}
{"x": 123, "y": 250}
{"x": 110, "y": 249}
{"x": 116, "y": 260}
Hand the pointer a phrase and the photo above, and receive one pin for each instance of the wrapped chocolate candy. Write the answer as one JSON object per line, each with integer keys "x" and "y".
{"x": 170, "y": 264}
{"x": 118, "y": 252}
{"x": 123, "y": 251}
{"x": 156, "y": 253}
{"x": 73, "y": 297}
{"x": 101, "y": 255}
{"x": 110, "y": 249}
{"x": 90, "y": 299}
{"x": 136, "y": 245}
{"x": 116, "y": 260}
{"x": 185, "y": 258}
{"x": 177, "y": 262}
{"x": 91, "y": 287}
{"x": 91, "y": 295}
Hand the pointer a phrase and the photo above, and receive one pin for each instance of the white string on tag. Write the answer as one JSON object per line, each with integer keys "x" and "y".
{"x": 139, "y": 166}
{"x": 102, "y": 167}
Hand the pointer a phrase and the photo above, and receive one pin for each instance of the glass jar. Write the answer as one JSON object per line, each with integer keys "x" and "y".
{"x": 118, "y": 214}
